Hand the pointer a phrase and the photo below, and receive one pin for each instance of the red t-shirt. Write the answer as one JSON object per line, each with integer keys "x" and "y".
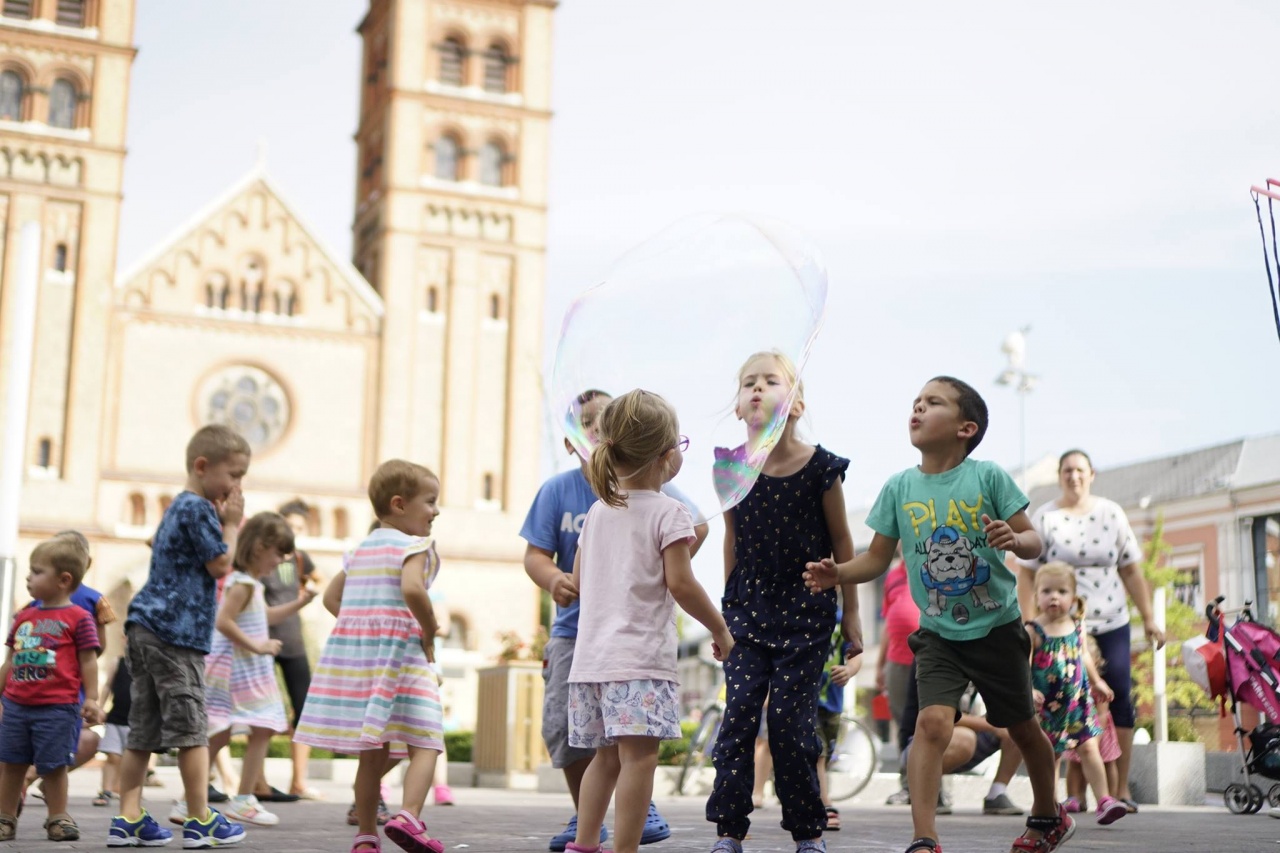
{"x": 45, "y": 661}
{"x": 901, "y": 615}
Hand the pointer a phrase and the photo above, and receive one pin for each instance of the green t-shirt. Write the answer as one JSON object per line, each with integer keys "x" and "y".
{"x": 960, "y": 584}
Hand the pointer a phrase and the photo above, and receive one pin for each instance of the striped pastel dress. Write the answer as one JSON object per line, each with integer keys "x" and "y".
{"x": 240, "y": 687}
{"x": 373, "y": 685}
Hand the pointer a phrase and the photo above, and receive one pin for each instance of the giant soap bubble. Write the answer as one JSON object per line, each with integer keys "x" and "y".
{"x": 678, "y": 316}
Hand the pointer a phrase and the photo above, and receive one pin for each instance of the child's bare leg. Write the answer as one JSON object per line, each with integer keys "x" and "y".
{"x": 417, "y": 779}
{"x": 822, "y": 780}
{"x": 924, "y": 766}
{"x": 255, "y": 754}
{"x": 301, "y": 755}
{"x": 193, "y": 766}
{"x": 12, "y": 777}
{"x": 593, "y": 798}
{"x": 133, "y": 770}
{"x": 1041, "y": 763}
{"x": 1113, "y": 776}
{"x": 637, "y": 760}
{"x": 372, "y": 764}
{"x": 111, "y": 774}
{"x": 55, "y": 790}
{"x": 764, "y": 769}
{"x": 1075, "y": 780}
{"x": 1091, "y": 766}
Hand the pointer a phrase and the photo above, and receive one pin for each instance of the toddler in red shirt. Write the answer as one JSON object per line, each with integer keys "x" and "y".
{"x": 53, "y": 649}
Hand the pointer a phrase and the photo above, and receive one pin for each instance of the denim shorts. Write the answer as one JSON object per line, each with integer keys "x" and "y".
{"x": 43, "y": 735}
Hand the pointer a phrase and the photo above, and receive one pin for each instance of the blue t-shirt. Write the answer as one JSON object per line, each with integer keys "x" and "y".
{"x": 554, "y": 524}
{"x": 178, "y": 603}
{"x": 960, "y": 583}
{"x": 831, "y": 697}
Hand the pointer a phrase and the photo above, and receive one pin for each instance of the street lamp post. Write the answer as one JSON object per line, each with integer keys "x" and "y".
{"x": 1015, "y": 376}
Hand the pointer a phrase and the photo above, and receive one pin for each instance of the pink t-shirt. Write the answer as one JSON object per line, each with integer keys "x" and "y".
{"x": 901, "y": 615}
{"x": 627, "y": 624}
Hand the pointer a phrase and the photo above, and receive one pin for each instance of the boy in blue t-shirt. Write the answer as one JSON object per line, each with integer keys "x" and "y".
{"x": 170, "y": 630}
{"x": 551, "y": 530}
{"x": 955, "y": 518}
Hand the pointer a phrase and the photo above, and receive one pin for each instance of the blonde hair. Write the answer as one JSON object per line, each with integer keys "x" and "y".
{"x": 635, "y": 430}
{"x": 1059, "y": 569}
{"x": 216, "y": 443}
{"x": 65, "y": 556}
{"x": 396, "y": 477}
{"x": 268, "y": 529}
{"x": 786, "y": 367}
{"x": 80, "y": 541}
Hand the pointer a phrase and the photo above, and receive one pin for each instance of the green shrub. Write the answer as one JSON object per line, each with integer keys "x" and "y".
{"x": 458, "y": 745}
{"x": 672, "y": 752}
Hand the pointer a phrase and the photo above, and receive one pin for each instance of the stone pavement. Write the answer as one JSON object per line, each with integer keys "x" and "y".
{"x": 489, "y": 821}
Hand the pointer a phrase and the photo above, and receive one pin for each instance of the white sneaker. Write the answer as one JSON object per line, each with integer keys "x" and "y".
{"x": 246, "y": 809}
{"x": 1274, "y": 811}
{"x": 178, "y": 814}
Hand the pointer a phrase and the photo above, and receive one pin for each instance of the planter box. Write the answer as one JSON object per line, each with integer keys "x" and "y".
{"x": 508, "y": 739}
{"x": 1168, "y": 774}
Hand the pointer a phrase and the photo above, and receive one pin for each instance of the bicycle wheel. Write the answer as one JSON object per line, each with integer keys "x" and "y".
{"x": 700, "y": 746}
{"x": 853, "y": 760}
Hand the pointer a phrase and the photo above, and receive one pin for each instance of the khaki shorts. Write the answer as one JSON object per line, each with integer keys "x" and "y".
{"x": 168, "y": 709}
{"x": 828, "y": 731}
{"x": 999, "y": 665}
{"x": 557, "y": 660}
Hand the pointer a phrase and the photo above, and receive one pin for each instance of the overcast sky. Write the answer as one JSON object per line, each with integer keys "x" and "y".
{"x": 966, "y": 168}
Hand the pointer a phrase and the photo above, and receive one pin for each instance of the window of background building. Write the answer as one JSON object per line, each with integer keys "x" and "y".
{"x": 433, "y": 299}
{"x": 496, "y": 68}
{"x": 62, "y": 104}
{"x": 448, "y": 152}
{"x": 44, "y": 453}
{"x": 60, "y": 257}
{"x": 71, "y": 13}
{"x": 137, "y": 510}
{"x": 12, "y": 90}
{"x": 493, "y": 159}
{"x": 453, "y": 56}
{"x": 18, "y": 8}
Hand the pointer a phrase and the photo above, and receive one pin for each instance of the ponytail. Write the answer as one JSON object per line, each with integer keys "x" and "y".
{"x": 636, "y": 429}
{"x": 603, "y": 477}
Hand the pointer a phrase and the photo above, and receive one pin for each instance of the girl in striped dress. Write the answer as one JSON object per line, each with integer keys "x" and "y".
{"x": 373, "y": 692}
{"x": 240, "y": 679}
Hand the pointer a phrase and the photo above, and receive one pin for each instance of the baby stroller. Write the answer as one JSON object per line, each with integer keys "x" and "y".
{"x": 1242, "y": 663}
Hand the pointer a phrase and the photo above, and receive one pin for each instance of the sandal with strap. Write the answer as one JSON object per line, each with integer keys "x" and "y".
{"x": 920, "y": 845}
{"x": 366, "y": 843}
{"x": 8, "y": 827}
{"x": 833, "y": 819}
{"x": 574, "y": 847}
{"x": 1054, "y": 832}
{"x": 60, "y": 827}
{"x": 410, "y": 833}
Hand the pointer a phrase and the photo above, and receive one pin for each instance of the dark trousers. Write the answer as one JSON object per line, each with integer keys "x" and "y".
{"x": 789, "y": 678}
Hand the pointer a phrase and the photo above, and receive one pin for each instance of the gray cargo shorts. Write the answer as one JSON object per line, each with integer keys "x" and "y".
{"x": 168, "y": 710}
{"x": 557, "y": 660}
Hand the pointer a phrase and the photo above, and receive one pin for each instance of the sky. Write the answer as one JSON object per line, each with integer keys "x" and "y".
{"x": 965, "y": 169}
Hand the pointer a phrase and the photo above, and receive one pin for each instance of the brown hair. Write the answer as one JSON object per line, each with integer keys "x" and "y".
{"x": 1059, "y": 569}
{"x": 216, "y": 443}
{"x": 635, "y": 430}
{"x": 1062, "y": 460}
{"x": 972, "y": 408}
{"x": 397, "y": 477}
{"x": 65, "y": 556}
{"x": 268, "y": 529}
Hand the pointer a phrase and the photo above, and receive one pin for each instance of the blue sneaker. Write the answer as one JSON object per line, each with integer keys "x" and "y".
{"x": 143, "y": 832}
{"x": 559, "y": 842}
{"x": 216, "y": 831}
{"x": 655, "y": 828}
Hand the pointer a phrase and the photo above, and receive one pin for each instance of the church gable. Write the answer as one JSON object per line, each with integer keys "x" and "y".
{"x": 248, "y": 258}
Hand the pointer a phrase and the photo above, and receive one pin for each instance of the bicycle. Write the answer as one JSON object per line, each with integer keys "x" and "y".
{"x": 853, "y": 761}
{"x": 704, "y": 736}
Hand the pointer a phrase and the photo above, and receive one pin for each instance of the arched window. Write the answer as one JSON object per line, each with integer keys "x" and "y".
{"x": 291, "y": 305}
{"x": 495, "y": 307}
{"x": 487, "y": 487}
{"x": 313, "y": 521}
{"x": 493, "y": 160}
{"x": 209, "y": 297}
{"x": 496, "y": 64}
{"x": 12, "y": 91}
{"x": 62, "y": 104}
{"x": 453, "y": 56}
{"x": 165, "y": 500}
{"x": 71, "y": 13}
{"x": 448, "y": 153}
{"x": 457, "y": 636}
{"x": 433, "y": 299}
{"x": 137, "y": 510}
{"x": 341, "y": 527}
{"x": 60, "y": 257}
{"x": 44, "y": 453}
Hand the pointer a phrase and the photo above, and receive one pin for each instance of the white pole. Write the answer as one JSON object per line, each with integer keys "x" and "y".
{"x": 1158, "y": 671}
{"x": 17, "y": 397}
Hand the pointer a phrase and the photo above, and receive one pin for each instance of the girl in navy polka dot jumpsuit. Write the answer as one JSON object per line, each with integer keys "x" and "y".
{"x": 794, "y": 513}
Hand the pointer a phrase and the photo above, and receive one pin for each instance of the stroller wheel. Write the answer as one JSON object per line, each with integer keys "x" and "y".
{"x": 1256, "y": 799}
{"x": 1237, "y": 798}
{"x": 1273, "y": 796}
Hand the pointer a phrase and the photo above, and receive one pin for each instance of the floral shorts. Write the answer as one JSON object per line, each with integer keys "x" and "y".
{"x": 599, "y": 714}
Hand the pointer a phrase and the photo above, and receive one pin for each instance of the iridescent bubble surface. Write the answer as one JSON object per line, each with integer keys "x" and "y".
{"x": 679, "y": 315}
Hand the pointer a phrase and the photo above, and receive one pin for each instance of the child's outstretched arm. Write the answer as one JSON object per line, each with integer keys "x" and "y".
{"x": 540, "y": 566}
{"x": 867, "y": 566}
{"x": 235, "y": 598}
{"x": 1101, "y": 691}
{"x": 92, "y": 708}
{"x": 281, "y": 612}
{"x": 332, "y": 600}
{"x": 1015, "y": 535}
{"x": 837, "y": 520}
{"x": 413, "y": 587}
{"x": 1036, "y": 695}
{"x": 677, "y": 571}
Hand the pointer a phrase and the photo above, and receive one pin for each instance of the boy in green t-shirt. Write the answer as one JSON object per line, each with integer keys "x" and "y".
{"x": 955, "y": 518}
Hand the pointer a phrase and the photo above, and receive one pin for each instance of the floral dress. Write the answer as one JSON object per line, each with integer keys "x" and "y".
{"x": 1057, "y": 671}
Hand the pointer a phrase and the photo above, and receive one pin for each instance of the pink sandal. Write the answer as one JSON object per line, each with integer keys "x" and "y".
{"x": 366, "y": 843}
{"x": 410, "y": 834}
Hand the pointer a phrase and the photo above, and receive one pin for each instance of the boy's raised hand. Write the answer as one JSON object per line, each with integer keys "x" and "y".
{"x": 999, "y": 534}
{"x": 821, "y": 575}
{"x": 231, "y": 510}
